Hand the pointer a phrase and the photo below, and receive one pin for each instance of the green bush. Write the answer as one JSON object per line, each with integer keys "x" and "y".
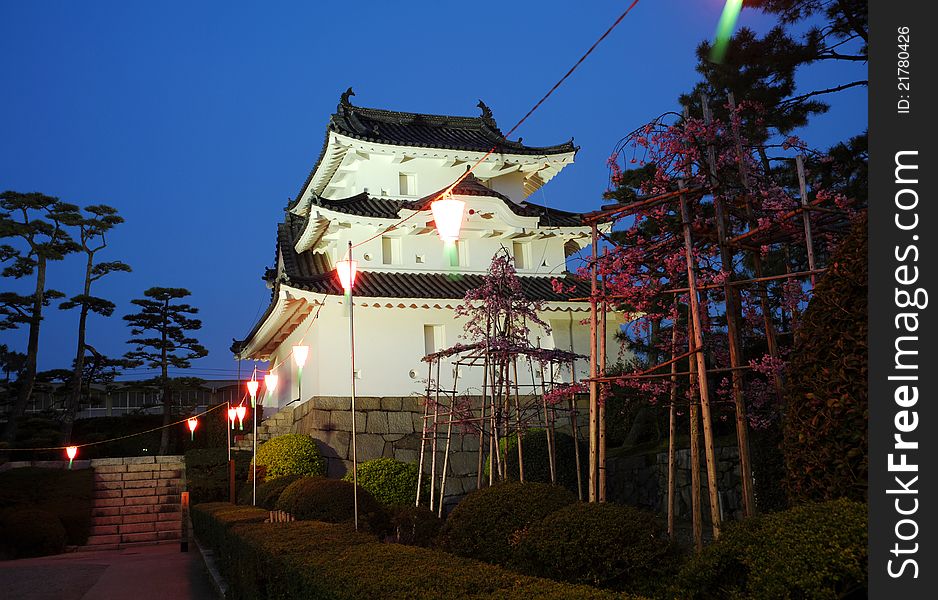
{"x": 537, "y": 458}
{"x": 308, "y": 559}
{"x": 332, "y": 501}
{"x": 415, "y": 526}
{"x": 268, "y": 491}
{"x": 487, "y": 523}
{"x": 64, "y": 493}
{"x": 825, "y": 443}
{"x": 606, "y": 545}
{"x": 30, "y": 532}
{"x": 290, "y": 454}
{"x": 207, "y": 473}
{"x": 391, "y": 482}
{"x": 816, "y": 550}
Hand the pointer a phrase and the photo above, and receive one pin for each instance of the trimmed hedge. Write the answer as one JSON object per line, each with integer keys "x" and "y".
{"x": 391, "y": 482}
{"x": 816, "y": 550}
{"x": 268, "y": 492}
{"x": 64, "y": 493}
{"x": 301, "y": 560}
{"x": 415, "y": 526}
{"x": 30, "y": 532}
{"x": 290, "y": 454}
{"x": 332, "y": 501}
{"x": 827, "y": 408}
{"x": 606, "y": 545}
{"x": 487, "y": 524}
{"x": 207, "y": 473}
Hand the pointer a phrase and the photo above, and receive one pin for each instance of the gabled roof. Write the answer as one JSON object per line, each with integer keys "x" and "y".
{"x": 479, "y": 134}
{"x": 364, "y": 205}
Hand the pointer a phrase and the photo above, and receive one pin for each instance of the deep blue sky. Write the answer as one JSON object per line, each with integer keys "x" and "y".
{"x": 198, "y": 121}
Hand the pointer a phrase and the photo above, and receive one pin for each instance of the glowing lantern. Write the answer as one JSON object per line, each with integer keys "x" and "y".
{"x": 448, "y": 214}
{"x": 71, "y": 452}
{"x": 241, "y": 411}
{"x": 299, "y": 355}
{"x": 252, "y": 390}
{"x": 270, "y": 382}
{"x": 193, "y": 423}
{"x": 347, "y": 270}
{"x": 232, "y": 415}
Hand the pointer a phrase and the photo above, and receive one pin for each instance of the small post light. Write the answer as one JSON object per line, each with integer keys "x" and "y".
{"x": 448, "y": 216}
{"x": 71, "y": 452}
{"x": 193, "y": 422}
{"x": 347, "y": 270}
{"x": 232, "y": 415}
{"x": 252, "y": 390}
{"x": 241, "y": 411}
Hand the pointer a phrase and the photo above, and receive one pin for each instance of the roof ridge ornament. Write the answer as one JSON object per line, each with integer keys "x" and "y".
{"x": 344, "y": 100}
{"x": 486, "y": 111}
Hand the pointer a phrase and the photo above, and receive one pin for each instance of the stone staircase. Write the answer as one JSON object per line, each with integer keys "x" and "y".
{"x": 137, "y": 500}
{"x": 279, "y": 424}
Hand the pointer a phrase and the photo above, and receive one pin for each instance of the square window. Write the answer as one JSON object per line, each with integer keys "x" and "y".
{"x": 408, "y": 183}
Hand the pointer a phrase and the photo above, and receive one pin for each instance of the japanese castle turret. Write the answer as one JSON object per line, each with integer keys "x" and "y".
{"x": 372, "y": 184}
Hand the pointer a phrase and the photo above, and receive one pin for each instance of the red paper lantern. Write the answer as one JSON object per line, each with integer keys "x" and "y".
{"x": 448, "y": 216}
{"x": 347, "y": 270}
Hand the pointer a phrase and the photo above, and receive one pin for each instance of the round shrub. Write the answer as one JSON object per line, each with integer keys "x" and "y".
{"x": 415, "y": 526}
{"x": 816, "y": 550}
{"x": 332, "y": 501}
{"x": 290, "y": 454}
{"x": 537, "y": 458}
{"x": 391, "y": 482}
{"x": 487, "y": 523}
{"x": 268, "y": 491}
{"x": 31, "y": 532}
{"x": 606, "y": 545}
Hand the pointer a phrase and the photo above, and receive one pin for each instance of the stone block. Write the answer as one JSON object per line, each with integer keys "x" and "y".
{"x": 102, "y": 494}
{"x": 333, "y": 403}
{"x": 171, "y": 466}
{"x": 143, "y": 536}
{"x": 114, "y": 520}
{"x": 138, "y": 510}
{"x": 138, "y": 476}
{"x": 107, "y": 502}
{"x": 110, "y": 469}
{"x": 98, "y": 540}
{"x": 418, "y": 420}
{"x": 334, "y": 444}
{"x": 103, "y": 529}
{"x": 140, "y": 460}
{"x": 137, "y": 492}
{"x": 141, "y": 483}
{"x": 317, "y": 419}
{"x": 400, "y": 422}
{"x": 173, "y": 474}
{"x": 170, "y": 459}
{"x": 139, "y": 518}
{"x": 412, "y": 404}
{"x": 342, "y": 420}
{"x": 108, "y": 485}
{"x": 136, "y": 528}
{"x": 105, "y": 462}
{"x": 168, "y": 508}
{"x": 391, "y": 404}
{"x": 463, "y": 463}
{"x": 367, "y": 403}
{"x": 411, "y": 456}
{"x": 408, "y": 442}
{"x": 104, "y": 512}
{"x": 169, "y": 516}
{"x": 169, "y": 526}
{"x": 369, "y": 446}
{"x": 108, "y": 476}
{"x": 168, "y": 490}
{"x": 140, "y": 468}
{"x": 141, "y": 501}
{"x": 169, "y": 499}
{"x": 376, "y": 422}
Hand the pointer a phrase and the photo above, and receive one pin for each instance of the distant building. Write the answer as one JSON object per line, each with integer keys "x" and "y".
{"x": 377, "y": 168}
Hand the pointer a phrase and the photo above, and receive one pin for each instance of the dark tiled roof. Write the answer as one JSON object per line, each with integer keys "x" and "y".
{"x": 364, "y": 205}
{"x": 379, "y": 284}
{"x": 479, "y": 134}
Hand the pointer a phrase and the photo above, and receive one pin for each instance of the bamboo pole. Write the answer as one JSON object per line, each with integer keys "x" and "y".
{"x": 731, "y": 298}
{"x": 672, "y": 432}
{"x": 423, "y": 433}
{"x": 485, "y": 376}
{"x": 601, "y": 348}
{"x": 593, "y": 386}
{"x": 808, "y": 239}
{"x": 704, "y": 389}
{"x": 449, "y": 438}
{"x": 518, "y": 421}
{"x": 694, "y": 413}
{"x": 436, "y": 435}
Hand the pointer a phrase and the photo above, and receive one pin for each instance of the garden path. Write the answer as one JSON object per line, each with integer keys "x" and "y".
{"x": 153, "y": 572}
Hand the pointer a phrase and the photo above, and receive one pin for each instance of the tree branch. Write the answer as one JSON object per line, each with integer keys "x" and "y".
{"x": 839, "y": 88}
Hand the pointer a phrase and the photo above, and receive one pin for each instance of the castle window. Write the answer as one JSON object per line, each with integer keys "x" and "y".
{"x": 432, "y": 338}
{"x": 390, "y": 251}
{"x": 408, "y": 183}
{"x": 522, "y": 253}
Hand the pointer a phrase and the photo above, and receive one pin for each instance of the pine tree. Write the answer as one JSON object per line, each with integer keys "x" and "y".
{"x": 38, "y": 225}
{"x": 99, "y": 219}
{"x": 160, "y": 336}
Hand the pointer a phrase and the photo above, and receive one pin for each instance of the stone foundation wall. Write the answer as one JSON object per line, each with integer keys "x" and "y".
{"x": 642, "y": 480}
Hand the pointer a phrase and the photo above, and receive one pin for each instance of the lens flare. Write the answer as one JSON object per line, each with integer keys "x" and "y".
{"x": 725, "y": 29}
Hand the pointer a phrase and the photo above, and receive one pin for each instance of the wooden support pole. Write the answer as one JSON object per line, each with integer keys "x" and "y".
{"x": 423, "y": 431}
{"x": 731, "y": 297}
{"x": 694, "y": 413}
{"x": 594, "y": 365}
{"x": 704, "y": 389}
{"x": 231, "y": 482}
{"x": 808, "y": 239}
{"x": 672, "y": 431}
{"x": 601, "y": 350}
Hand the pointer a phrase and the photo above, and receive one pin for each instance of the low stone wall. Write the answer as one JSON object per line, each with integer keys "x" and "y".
{"x": 642, "y": 480}
{"x": 391, "y": 427}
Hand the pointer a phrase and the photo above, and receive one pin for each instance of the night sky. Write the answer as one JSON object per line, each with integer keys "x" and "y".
{"x": 199, "y": 121}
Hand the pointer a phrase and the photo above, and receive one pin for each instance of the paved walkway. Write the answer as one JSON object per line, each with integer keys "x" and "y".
{"x": 159, "y": 572}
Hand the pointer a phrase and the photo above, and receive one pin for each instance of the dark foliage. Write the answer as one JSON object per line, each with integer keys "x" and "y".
{"x": 207, "y": 473}
{"x": 811, "y": 551}
{"x": 65, "y": 494}
{"x": 415, "y": 526}
{"x": 268, "y": 491}
{"x": 322, "y": 560}
{"x": 391, "y": 482}
{"x": 606, "y": 545}
{"x": 30, "y": 532}
{"x": 537, "y": 458}
{"x": 768, "y": 468}
{"x": 331, "y": 500}
{"x": 827, "y": 408}
{"x": 487, "y": 523}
